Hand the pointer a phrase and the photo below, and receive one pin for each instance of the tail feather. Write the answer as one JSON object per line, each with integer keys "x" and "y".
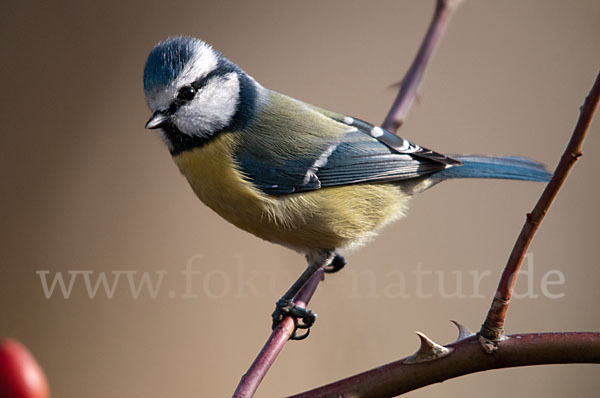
{"x": 505, "y": 167}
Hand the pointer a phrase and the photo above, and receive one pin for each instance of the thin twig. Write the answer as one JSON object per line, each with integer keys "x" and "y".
{"x": 280, "y": 335}
{"x": 444, "y": 10}
{"x": 467, "y": 357}
{"x": 493, "y": 327}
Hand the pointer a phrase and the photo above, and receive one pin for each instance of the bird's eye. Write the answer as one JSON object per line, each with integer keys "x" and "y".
{"x": 186, "y": 93}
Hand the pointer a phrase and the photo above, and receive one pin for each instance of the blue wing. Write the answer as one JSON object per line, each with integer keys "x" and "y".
{"x": 363, "y": 153}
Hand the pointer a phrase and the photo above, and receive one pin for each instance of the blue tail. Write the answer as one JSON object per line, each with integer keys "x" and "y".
{"x": 506, "y": 167}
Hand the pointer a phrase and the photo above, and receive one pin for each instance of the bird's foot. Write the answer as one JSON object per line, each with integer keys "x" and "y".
{"x": 335, "y": 265}
{"x": 303, "y": 318}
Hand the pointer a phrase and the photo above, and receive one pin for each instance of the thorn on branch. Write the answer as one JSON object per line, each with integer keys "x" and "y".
{"x": 428, "y": 351}
{"x": 463, "y": 331}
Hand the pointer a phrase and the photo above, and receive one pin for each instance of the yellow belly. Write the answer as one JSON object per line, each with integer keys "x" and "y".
{"x": 327, "y": 218}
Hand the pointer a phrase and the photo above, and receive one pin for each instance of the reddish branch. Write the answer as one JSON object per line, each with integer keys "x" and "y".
{"x": 280, "y": 335}
{"x": 493, "y": 327}
{"x": 444, "y": 10}
{"x": 467, "y": 357}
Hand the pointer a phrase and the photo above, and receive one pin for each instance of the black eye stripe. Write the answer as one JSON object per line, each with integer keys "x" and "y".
{"x": 200, "y": 83}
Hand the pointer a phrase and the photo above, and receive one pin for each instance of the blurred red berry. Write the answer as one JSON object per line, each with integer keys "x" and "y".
{"x": 20, "y": 374}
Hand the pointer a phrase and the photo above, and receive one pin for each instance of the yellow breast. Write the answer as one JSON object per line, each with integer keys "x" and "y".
{"x": 326, "y": 218}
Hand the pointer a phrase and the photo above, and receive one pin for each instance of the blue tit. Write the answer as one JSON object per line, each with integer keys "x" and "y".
{"x": 286, "y": 171}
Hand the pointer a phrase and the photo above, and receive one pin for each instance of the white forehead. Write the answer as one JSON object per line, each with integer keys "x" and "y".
{"x": 202, "y": 61}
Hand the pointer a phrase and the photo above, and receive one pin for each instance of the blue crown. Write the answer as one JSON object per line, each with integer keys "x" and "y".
{"x": 167, "y": 60}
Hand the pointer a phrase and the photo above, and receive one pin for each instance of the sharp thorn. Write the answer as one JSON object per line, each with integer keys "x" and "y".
{"x": 395, "y": 86}
{"x": 428, "y": 351}
{"x": 463, "y": 331}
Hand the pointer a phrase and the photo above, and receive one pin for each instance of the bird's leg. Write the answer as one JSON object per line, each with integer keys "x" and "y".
{"x": 303, "y": 318}
{"x": 285, "y": 306}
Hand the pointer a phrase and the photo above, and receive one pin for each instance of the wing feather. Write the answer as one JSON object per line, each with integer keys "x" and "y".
{"x": 359, "y": 153}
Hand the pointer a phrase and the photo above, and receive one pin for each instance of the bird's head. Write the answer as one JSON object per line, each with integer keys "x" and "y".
{"x": 195, "y": 93}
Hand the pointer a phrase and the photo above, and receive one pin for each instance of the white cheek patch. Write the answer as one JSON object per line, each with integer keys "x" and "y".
{"x": 213, "y": 107}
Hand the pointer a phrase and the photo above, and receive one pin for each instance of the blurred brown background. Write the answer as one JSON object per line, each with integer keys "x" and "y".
{"x": 85, "y": 187}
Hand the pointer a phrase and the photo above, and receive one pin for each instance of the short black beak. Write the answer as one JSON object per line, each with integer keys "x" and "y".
{"x": 157, "y": 120}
